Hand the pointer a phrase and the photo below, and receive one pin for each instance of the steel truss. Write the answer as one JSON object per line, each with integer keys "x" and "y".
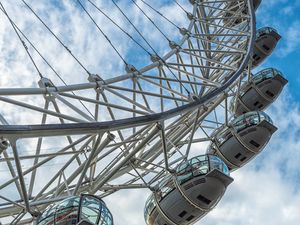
{"x": 143, "y": 123}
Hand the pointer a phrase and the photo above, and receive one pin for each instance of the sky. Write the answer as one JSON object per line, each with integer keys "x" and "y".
{"x": 265, "y": 191}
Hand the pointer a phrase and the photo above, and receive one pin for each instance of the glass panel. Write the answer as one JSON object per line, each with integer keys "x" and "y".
{"x": 217, "y": 163}
{"x": 106, "y": 217}
{"x": 200, "y": 167}
{"x": 184, "y": 172}
{"x": 223, "y": 135}
{"x": 66, "y": 216}
{"x": 47, "y": 215}
{"x": 192, "y": 168}
{"x": 165, "y": 187}
{"x": 67, "y": 211}
{"x": 46, "y": 219}
{"x": 265, "y": 30}
{"x": 90, "y": 209}
{"x": 264, "y": 116}
{"x": 94, "y": 210}
{"x": 246, "y": 120}
{"x": 264, "y": 75}
{"x": 149, "y": 206}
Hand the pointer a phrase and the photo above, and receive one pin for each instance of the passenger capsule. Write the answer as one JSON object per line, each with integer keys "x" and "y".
{"x": 83, "y": 210}
{"x": 266, "y": 41}
{"x": 190, "y": 194}
{"x": 260, "y": 92}
{"x": 245, "y": 137}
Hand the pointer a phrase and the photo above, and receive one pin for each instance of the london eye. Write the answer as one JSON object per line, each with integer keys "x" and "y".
{"x": 173, "y": 106}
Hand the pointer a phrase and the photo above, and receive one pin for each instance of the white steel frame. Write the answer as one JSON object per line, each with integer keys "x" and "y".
{"x": 149, "y": 141}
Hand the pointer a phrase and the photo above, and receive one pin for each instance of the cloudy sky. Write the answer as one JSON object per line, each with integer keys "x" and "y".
{"x": 266, "y": 191}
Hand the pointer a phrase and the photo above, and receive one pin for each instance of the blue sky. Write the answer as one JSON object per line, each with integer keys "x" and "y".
{"x": 266, "y": 191}
{"x": 284, "y": 16}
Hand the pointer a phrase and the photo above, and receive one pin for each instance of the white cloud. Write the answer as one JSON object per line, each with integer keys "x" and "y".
{"x": 256, "y": 197}
{"x": 265, "y": 191}
{"x": 291, "y": 38}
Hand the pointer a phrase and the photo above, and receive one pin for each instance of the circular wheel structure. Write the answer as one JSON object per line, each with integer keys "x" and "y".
{"x": 126, "y": 130}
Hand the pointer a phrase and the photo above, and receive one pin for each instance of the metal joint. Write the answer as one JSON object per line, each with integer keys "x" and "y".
{"x": 192, "y": 97}
{"x": 173, "y": 45}
{"x": 155, "y": 58}
{"x": 130, "y": 68}
{"x": 185, "y": 31}
{"x": 190, "y": 16}
{"x": 95, "y": 78}
{"x": 48, "y": 85}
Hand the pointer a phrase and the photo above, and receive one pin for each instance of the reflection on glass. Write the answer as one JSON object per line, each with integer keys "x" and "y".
{"x": 199, "y": 165}
{"x": 266, "y": 74}
{"x": 265, "y": 30}
{"x": 248, "y": 119}
{"x": 75, "y": 209}
{"x": 150, "y": 205}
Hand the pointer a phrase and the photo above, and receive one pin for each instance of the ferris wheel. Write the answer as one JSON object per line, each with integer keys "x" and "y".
{"x": 69, "y": 142}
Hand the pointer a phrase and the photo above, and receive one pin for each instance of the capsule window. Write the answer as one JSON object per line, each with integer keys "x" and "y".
{"x": 203, "y": 199}
{"x": 190, "y": 218}
{"x": 182, "y": 214}
{"x": 260, "y": 106}
{"x": 256, "y": 103}
{"x": 237, "y": 155}
{"x": 188, "y": 186}
{"x": 270, "y": 94}
{"x": 200, "y": 181}
{"x": 243, "y": 159}
{"x": 254, "y": 143}
{"x": 256, "y": 57}
{"x": 266, "y": 47}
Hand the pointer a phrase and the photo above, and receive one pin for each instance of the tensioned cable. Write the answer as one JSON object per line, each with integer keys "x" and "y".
{"x": 159, "y": 13}
{"x": 102, "y": 32}
{"x": 180, "y": 6}
{"x": 130, "y": 35}
{"x": 125, "y": 32}
{"x": 23, "y": 43}
{"x": 56, "y": 73}
{"x": 45, "y": 60}
{"x": 142, "y": 36}
{"x": 56, "y": 37}
{"x": 165, "y": 36}
{"x": 155, "y": 51}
